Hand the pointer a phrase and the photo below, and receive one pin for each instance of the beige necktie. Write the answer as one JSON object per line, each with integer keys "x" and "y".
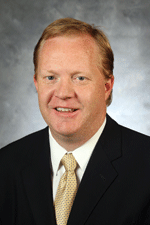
{"x": 66, "y": 190}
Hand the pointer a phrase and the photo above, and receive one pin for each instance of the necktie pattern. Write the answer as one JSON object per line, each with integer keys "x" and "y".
{"x": 66, "y": 190}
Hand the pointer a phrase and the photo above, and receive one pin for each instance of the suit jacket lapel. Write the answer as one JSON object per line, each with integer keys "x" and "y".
{"x": 37, "y": 180}
{"x": 99, "y": 174}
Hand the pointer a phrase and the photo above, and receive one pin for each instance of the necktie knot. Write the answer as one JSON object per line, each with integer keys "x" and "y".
{"x": 69, "y": 162}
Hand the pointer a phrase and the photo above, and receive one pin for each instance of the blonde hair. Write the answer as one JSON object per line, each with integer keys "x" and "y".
{"x": 70, "y": 26}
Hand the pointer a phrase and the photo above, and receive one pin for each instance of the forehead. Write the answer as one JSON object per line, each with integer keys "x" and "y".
{"x": 75, "y": 43}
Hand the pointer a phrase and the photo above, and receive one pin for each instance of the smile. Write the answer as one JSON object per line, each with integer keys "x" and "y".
{"x": 65, "y": 109}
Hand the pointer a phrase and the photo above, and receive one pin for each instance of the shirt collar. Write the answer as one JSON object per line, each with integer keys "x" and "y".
{"x": 81, "y": 154}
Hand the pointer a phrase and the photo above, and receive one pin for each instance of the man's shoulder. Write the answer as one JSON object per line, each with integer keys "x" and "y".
{"x": 19, "y": 148}
{"x": 133, "y": 133}
{"x": 127, "y": 132}
{"x": 135, "y": 140}
{"x": 126, "y": 136}
{"x": 26, "y": 139}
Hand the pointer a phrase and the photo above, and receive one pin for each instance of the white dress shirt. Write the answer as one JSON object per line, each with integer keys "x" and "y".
{"x": 81, "y": 154}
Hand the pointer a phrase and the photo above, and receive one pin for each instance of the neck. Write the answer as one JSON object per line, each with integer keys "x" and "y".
{"x": 73, "y": 141}
{"x": 70, "y": 143}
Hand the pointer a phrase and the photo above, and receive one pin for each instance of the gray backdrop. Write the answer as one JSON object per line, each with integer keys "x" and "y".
{"x": 127, "y": 25}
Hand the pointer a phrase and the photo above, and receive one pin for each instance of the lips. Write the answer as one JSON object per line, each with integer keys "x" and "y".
{"x": 60, "y": 109}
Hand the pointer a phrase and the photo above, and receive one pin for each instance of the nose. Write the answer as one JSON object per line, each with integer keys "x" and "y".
{"x": 64, "y": 89}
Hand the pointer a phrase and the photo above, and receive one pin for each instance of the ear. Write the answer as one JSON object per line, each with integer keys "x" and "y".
{"x": 109, "y": 86}
{"x": 35, "y": 82}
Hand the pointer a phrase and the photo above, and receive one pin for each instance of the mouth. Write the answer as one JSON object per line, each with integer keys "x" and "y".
{"x": 59, "y": 109}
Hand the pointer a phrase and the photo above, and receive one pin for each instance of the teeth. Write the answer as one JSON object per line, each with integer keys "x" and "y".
{"x": 64, "y": 110}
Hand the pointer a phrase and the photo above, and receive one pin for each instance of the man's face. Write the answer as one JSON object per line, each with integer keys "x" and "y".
{"x": 71, "y": 89}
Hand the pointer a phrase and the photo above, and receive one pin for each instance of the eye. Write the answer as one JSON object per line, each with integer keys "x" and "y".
{"x": 50, "y": 77}
{"x": 78, "y": 79}
{"x": 81, "y": 78}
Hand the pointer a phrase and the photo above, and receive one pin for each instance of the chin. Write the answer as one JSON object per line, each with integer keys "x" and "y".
{"x": 66, "y": 133}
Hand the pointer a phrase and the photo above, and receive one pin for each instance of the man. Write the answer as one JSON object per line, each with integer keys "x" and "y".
{"x": 110, "y": 181}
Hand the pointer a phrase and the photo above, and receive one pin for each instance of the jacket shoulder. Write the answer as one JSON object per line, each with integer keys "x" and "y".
{"x": 17, "y": 150}
{"x": 132, "y": 135}
{"x": 125, "y": 132}
{"x": 123, "y": 140}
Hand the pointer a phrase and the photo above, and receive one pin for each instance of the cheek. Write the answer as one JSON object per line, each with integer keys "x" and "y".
{"x": 41, "y": 94}
{"x": 44, "y": 95}
{"x": 97, "y": 93}
{"x": 97, "y": 98}
{"x": 89, "y": 99}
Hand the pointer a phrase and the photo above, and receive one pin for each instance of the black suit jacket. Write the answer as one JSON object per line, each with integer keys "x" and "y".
{"x": 114, "y": 190}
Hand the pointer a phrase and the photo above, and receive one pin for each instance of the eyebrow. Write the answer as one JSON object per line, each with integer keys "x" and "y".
{"x": 51, "y": 71}
{"x": 72, "y": 73}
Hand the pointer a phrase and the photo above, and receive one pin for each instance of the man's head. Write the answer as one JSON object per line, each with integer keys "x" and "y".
{"x": 69, "y": 27}
{"x": 72, "y": 81}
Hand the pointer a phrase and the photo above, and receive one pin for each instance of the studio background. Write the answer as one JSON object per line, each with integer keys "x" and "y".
{"x": 125, "y": 22}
